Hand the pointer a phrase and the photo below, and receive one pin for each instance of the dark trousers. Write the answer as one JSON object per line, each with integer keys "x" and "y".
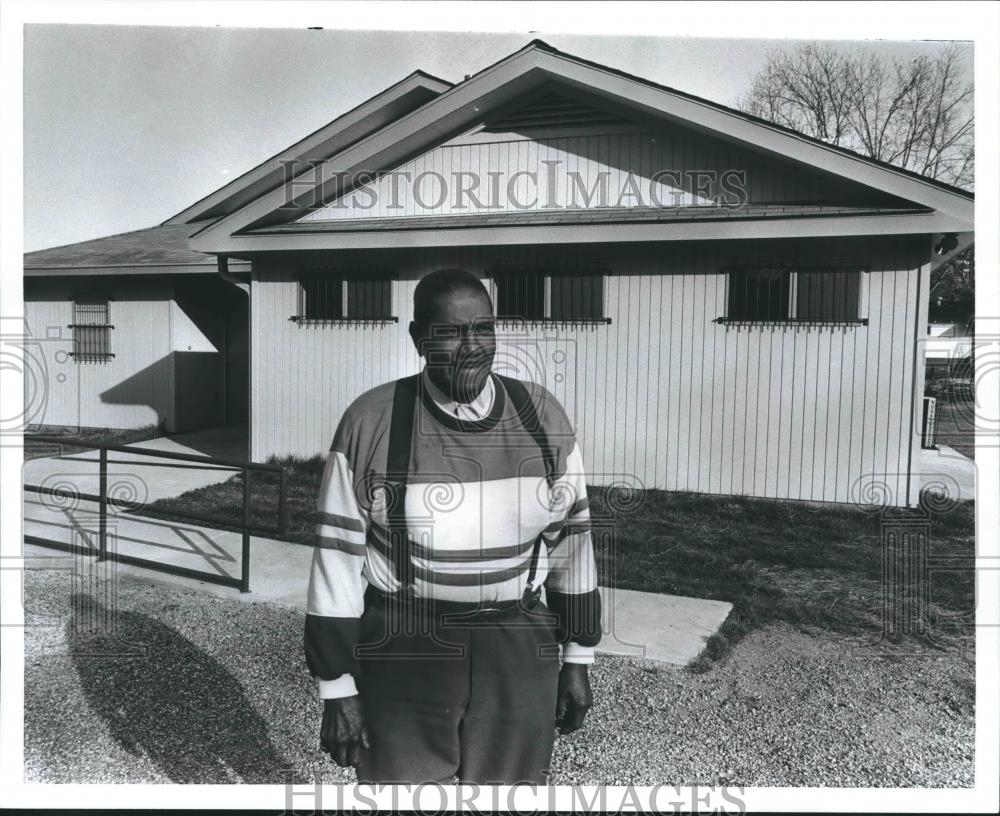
{"x": 452, "y": 697}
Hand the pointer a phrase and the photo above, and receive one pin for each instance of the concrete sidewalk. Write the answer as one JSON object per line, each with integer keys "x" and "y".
{"x": 947, "y": 471}
{"x": 137, "y": 477}
{"x": 668, "y": 628}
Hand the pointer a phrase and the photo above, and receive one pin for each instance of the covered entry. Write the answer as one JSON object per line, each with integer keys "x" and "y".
{"x": 211, "y": 351}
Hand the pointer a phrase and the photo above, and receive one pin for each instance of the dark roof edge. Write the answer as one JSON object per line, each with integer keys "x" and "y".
{"x": 333, "y": 121}
{"x": 540, "y": 44}
{"x": 210, "y": 260}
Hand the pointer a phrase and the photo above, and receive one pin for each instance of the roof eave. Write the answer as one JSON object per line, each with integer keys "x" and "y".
{"x": 537, "y": 63}
{"x": 249, "y": 244}
{"x": 209, "y": 267}
{"x": 410, "y": 93}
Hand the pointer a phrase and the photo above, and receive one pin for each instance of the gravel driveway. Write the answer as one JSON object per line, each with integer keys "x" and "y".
{"x": 221, "y": 694}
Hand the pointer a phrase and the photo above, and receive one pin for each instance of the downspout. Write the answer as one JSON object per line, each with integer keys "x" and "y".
{"x": 229, "y": 278}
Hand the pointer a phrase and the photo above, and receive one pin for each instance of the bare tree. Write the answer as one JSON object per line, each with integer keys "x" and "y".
{"x": 916, "y": 114}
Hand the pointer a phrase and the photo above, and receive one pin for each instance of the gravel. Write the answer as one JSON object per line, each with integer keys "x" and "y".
{"x": 190, "y": 688}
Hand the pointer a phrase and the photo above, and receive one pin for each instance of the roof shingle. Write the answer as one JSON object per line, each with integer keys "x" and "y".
{"x": 153, "y": 246}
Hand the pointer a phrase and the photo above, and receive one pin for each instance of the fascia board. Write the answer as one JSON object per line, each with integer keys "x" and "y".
{"x": 343, "y": 130}
{"x": 796, "y": 227}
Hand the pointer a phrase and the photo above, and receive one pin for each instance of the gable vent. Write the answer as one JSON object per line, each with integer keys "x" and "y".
{"x": 553, "y": 110}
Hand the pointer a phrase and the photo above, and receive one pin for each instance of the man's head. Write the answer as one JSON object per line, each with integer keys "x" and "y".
{"x": 453, "y": 330}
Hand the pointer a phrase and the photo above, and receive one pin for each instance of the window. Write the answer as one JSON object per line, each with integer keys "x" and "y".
{"x": 759, "y": 294}
{"x": 520, "y": 294}
{"x": 796, "y": 293}
{"x": 91, "y": 330}
{"x": 345, "y": 295}
{"x": 577, "y": 297}
{"x": 559, "y": 295}
{"x": 827, "y": 295}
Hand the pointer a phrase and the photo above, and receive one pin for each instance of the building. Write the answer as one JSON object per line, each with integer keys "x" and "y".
{"x": 721, "y": 304}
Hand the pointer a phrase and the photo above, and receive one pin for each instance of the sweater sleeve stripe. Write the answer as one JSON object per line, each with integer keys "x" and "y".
{"x": 334, "y": 543}
{"x": 344, "y": 522}
{"x": 571, "y": 589}
{"x": 335, "y": 598}
{"x": 567, "y": 530}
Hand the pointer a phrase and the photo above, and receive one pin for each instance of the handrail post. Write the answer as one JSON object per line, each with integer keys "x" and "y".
{"x": 245, "y": 571}
{"x": 282, "y": 489}
{"x": 103, "y": 504}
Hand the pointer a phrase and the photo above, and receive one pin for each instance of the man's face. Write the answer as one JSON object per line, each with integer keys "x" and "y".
{"x": 458, "y": 343}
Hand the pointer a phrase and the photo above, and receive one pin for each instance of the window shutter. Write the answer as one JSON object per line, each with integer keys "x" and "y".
{"x": 827, "y": 295}
{"x": 577, "y": 296}
{"x": 344, "y": 294}
{"x": 520, "y": 294}
{"x": 759, "y": 294}
{"x": 369, "y": 298}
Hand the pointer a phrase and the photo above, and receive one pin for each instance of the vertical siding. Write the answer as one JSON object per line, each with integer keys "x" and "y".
{"x": 623, "y": 158}
{"x": 663, "y": 395}
{"x": 132, "y": 389}
{"x": 920, "y": 299}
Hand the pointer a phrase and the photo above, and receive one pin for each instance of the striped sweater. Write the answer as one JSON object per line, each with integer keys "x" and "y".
{"x": 477, "y": 498}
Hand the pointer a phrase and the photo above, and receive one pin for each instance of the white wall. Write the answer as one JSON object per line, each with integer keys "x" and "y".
{"x": 663, "y": 395}
{"x": 131, "y": 390}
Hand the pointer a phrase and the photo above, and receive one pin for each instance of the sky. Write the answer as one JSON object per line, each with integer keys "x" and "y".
{"x": 124, "y": 126}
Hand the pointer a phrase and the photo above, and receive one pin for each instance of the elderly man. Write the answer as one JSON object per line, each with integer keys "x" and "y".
{"x": 449, "y": 498}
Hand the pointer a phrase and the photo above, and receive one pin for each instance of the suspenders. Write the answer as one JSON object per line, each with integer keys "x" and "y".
{"x": 398, "y": 464}
{"x": 529, "y": 419}
{"x": 404, "y": 401}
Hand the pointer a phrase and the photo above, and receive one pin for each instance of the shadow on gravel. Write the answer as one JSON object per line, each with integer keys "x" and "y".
{"x": 163, "y": 697}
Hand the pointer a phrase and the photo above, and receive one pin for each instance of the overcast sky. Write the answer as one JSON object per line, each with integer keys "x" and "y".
{"x": 125, "y": 126}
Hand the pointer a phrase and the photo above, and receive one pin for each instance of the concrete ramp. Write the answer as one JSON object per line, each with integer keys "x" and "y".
{"x": 666, "y": 628}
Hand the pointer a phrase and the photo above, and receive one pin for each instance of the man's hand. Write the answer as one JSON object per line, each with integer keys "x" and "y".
{"x": 343, "y": 733}
{"x": 574, "y": 699}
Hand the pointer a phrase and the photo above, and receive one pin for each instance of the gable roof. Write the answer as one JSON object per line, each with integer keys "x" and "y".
{"x": 421, "y": 111}
{"x": 760, "y": 121}
{"x": 407, "y": 95}
{"x": 468, "y": 103}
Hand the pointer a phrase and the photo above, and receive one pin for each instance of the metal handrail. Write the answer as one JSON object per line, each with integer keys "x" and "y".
{"x": 190, "y": 457}
{"x": 243, "y": 583}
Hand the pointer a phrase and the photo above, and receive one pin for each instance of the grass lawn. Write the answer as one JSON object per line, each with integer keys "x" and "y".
{"x": 956, "y": 426}
{"x": 107, "y": 436}
{"x": 812, "y": 566}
